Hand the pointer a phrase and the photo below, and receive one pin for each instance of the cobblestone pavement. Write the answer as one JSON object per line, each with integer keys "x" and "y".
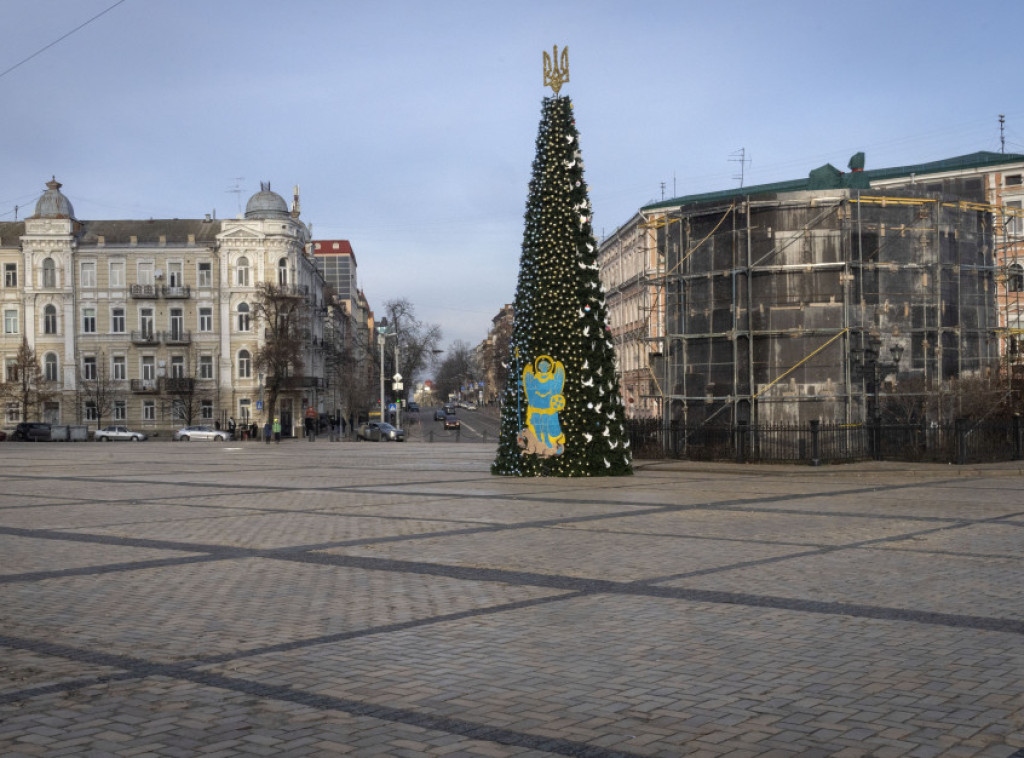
{"x": 326, "y": 599}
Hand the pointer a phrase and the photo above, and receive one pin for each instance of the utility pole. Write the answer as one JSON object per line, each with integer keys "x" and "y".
{"x": 743, "y": 161}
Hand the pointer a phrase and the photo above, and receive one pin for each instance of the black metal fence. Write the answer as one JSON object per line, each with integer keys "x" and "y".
{"x": 964, "y": 441}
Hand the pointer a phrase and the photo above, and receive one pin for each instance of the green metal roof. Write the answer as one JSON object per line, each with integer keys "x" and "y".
{"x": 971, "y": 161}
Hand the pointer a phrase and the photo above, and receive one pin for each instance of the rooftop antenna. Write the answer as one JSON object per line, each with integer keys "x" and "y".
{"x": 663, "y": 190}
{"x": 237, "y": 190}
{"x": 1002, "y": 135}
{"x": 743, "y": 160}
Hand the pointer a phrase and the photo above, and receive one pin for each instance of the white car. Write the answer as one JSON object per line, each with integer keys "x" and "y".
{"x": 113, "y": 433}
{"x": 199, "y": 433}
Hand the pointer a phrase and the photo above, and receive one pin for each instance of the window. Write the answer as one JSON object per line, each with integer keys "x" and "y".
{"x": 148, "y": 368}
{"x": 178, "y": 409}
{"x": 244, "y": 364}
{"x": 119, "y": 365}
{"x": 1012, "y": 221}
{"x": 10, "y": 321}
{"x": 10, "y": 274}
{"x": 11, "y": 370}
{"x": 50, "y": 320}
{"x": 148, "y": 410}
{"x": 50, "y": 367}
{"x": 178, "y": 366}
{"x": 89, "y": 368}
{"x": 206, "y": 367}
{"x": 12, "y": 413}
{"x": 1015, "y": 278}
{"x": 120, "y": 410}
{"x": 91, "y": 414}
{"x": 175, "y": 278}
{"x": 1014, "y": 180}
{"x": 242, "y": 272}
{"x": 243, "y": 317}
{"x": 89, "y": 320}
{"x": 146, "y": 272}
{"x": 205, "y": 278}
{"x": 88, "y": 273}
{"x": 49, "y": 273}
{"x": 117, "y": 273}
{"x": 117, "y": 320}
{"x": 206, "y": 319}
{"x": 177, "y": 323}
{"x": 146, "y": 322}
{"x": 206, "y": 410}
{"x": 282, "y": 271}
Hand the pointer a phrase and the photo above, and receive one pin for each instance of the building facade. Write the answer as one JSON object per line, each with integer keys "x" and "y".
{"x": 154, "y": 323}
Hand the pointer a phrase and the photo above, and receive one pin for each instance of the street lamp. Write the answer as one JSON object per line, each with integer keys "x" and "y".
{"x": 382, "y": 337}
{"x": 866, "y": 364}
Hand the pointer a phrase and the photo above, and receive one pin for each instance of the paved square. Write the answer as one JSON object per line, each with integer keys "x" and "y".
{"x": 326, "y": 599}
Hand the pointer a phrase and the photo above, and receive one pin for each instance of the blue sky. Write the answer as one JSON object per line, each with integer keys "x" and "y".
{"x": 410, "y": 127}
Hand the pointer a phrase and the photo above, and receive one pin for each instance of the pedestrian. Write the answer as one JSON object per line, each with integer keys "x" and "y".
{"x": 277, "y": 431}
{"x": 342, "y": 420}
{"x": 267, "y": 430}
{"x": 352, "y": 423}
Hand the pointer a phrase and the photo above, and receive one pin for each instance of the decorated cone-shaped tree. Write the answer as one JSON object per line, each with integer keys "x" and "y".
{"x": 561, "y": 412}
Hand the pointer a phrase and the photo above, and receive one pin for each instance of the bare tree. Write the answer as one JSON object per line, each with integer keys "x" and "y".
{"x": 186, "y": 393}
{"x": 24, "y": 383}
{"x": 417, "y": 341}
{"x": 457, "y": 368}
{"x": 284, "y": 315}
{"x": 99, "y": 390}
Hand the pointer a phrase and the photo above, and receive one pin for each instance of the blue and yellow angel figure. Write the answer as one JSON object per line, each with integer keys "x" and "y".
{"x": 542, "y": 382}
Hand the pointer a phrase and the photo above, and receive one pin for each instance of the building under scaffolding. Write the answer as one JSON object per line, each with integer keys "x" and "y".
{"x": 768, "y": 297}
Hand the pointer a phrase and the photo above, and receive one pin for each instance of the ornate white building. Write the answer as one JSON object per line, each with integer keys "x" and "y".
{"x": 159, "y": 312}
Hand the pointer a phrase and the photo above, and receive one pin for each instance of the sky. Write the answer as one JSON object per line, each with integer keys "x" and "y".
{"x": 410, "y": 127}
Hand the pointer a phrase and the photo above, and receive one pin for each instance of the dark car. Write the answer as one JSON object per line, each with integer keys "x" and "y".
{"x": 3, "y": 435}
{"x": 30, "y": 431}
{"x": 413, "y": 408}
{"x": 452, "y": 422}
{"x": 439, "y": 414}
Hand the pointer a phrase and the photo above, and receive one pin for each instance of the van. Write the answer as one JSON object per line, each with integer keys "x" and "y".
{"x": 31, "y": 431}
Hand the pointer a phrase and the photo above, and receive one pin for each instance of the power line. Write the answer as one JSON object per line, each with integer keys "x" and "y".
{"x": 59, "y": 39}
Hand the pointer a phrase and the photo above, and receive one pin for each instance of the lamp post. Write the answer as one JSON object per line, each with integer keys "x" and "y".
{"x": 866, "y": 364}
{"x": 382, "y": 336}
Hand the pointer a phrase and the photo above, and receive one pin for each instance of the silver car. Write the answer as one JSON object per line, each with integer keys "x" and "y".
{"x": 200, "y": 433}
{"x": 114, "y": 433}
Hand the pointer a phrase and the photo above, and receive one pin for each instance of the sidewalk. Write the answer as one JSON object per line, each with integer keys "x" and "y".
{"x": 325, "y": 599}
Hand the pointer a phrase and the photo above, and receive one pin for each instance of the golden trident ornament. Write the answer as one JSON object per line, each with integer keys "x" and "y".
{"x": 556, "y": 73}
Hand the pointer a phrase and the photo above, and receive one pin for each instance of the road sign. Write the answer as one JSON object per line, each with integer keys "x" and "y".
{"x": 392, "y": 407}
{"x": 259, "y": 405}
{"x": 397, "y": 377}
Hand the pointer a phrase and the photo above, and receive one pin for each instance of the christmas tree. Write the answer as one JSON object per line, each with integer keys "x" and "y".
{"x": 561, "y": 412}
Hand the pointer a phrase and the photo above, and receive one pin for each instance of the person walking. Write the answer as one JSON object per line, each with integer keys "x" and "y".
{"x": 267, "y": 431}
{"x": 341, "y": 419}
{"x": 277, "y": 431}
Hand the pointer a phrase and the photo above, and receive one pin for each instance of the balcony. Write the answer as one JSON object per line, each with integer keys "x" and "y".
{"x": 180, "y": 384}
{"x": 145, "y": 386}
{"x": 145, "y": 337}
{"x": 178, "y": 337}
{"x": 145, "y": 291}
{"x": 176, "y": 293}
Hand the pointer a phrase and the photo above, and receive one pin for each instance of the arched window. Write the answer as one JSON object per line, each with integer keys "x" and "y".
{"x": 243, "y": 317}
{"x": 1015, "y": 278}
{"x": 244, "y": 364}
{"x": 242, "y": 272}
{"x": 282, "y": 272}
{"x": 50, "y": 320}
{"x": 50, "y": 367}
{"x": 49, "y": 273}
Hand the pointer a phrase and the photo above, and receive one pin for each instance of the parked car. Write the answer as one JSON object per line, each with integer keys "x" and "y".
{"x": 469, "y": 406}
{"x": 439, "y": 414}
{"x": 3, "y": 434}
{"x": 452, "y": 422}
{"x": 413, "y": 408}
{"x": 200, "y": 433}
{"x": 112, "y": 433}
{"x": 31, "y": 431}
{"x": 377, "y": 431}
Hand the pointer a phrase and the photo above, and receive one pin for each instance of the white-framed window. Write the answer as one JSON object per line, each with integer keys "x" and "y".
{"x": 146, "y": 322}
{"x": 178, "y": 366}
{"x": 10, "y": 274}
{"x": 242, "y": 272}
{"x": 244, "y": 322}
{"x": 282, "y": 271}
{"x": 119, "y": 368}
{"x": 117, "y": 320}
{"x": 145, "y": 270}
{"x": 91, "y": 414}
{"x": 244, "y": 364}
{"x": 120, "y": 410}
{"x": 88, "y": 269}
{"x": 49, "y": 273}
{"x": 206, "y": 319}
{"x": 206, "y": 410}
{"x": 11, "y": 370}
{"x": 117, "y": 274}
{"x": 50, "y": 319}
{"x": 175, "y": 276}
{"x": 89, "y": 368}
{"x": 148, "y": 368}
{"x": 204, "y": 274}
{"x": 10, "y": 321}
{"x": 50, "y": 367}
{"x": 177, "y": 323}
{"x": 206, "y": 367}
{"x": 12, "y": 413}
{"x": 149, "y": 410}
{"x": 89, "y": 320}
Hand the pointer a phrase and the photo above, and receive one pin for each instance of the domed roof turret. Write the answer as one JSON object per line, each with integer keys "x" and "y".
{"x": 53, "y": 204}
{"x": 266, "y": 204}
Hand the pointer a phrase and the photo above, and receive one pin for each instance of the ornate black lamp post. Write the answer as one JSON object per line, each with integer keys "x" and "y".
{"x": 866, "y": 365}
